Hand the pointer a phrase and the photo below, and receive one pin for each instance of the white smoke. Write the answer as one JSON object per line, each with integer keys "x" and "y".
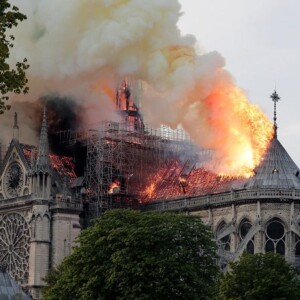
{"x": 72, "y": 46}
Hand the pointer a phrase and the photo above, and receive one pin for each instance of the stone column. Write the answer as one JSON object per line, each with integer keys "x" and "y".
{"x": 259, "y": 236}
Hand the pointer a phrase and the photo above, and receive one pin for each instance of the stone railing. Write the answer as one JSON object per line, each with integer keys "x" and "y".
{"x": 15, "y": 201}
{"x": 66, "y": 203}
{"x": 280, "y": 195}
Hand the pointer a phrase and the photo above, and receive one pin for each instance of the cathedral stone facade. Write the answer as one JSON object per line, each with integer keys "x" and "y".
{"x": 39, "y": 216}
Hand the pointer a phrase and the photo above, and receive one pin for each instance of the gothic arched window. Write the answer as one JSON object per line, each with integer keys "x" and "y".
{"x": 297, "y": 244}
{"x": 223, "y": 243}
{"x": 244, "y": 229}
{"x": 275, "y": 237}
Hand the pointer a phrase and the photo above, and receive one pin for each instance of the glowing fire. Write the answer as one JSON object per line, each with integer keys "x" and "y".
{"x": 182, "y": 181}
{"x": 149, "y": 190}
{"x": 114, "y": 188}
{"x": 236, "y": 129}
{"x": 167, "y": 183}
{"x": 63, "y": 165}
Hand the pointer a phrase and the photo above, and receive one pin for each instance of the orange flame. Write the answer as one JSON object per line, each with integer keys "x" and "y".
{"x": 238, "y": 131}
{"x": 149, "y": 190}
{"x": 114, "y": 188}
{"x": 64, "y": 165}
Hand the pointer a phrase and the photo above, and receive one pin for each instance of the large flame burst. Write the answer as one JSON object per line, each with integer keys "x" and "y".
{"x": 227, "y": 122}
{"x": 246, "y": 132}
{"x": 203, "y": 98}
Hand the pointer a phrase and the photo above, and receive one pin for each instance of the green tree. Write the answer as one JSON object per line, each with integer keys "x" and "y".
{"x": 133, "y": 255}
{"x": 11, "y": 80}
{"x": 260, "y": 276}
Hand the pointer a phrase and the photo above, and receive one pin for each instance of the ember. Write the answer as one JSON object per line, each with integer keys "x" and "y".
{"x": 114, "y": 188}
{"x": 182, "y": 183}
{"x": 63, "y": 165}
{"x": 163, "y": 184}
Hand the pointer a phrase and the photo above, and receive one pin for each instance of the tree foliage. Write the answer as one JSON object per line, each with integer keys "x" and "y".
{"x": 132, "y": 255}
{"x": 12, "y": 80}
{"x": 259, "y": 277}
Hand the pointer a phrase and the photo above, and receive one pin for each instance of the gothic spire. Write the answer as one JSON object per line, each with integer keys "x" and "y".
{"x": 275, "y": 98}
{"x": 16, "y": 127}
{"x": 43, "y": 162}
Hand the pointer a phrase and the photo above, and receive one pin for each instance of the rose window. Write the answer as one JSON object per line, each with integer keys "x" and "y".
{"x": 14, "y": 245}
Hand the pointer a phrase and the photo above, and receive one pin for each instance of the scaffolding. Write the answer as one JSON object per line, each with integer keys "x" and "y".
{"x": 120, "y": 157}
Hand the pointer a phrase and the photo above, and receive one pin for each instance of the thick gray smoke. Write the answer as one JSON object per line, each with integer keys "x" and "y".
{"x": 81, "y": 48}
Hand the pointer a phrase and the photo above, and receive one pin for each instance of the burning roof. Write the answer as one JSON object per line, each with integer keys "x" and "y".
{"x": 63, "y": 165}
{"x": 168, "y": 183}
{"x": 276, "y": 170}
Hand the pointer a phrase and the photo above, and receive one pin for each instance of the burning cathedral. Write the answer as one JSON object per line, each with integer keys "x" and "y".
{"x": 46, "y": 201}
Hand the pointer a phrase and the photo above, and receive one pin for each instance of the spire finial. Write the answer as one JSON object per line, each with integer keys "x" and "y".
{"x": 43, "y": 154}
{"x": 275, "y": 98}
{"x": 16, "y": 127}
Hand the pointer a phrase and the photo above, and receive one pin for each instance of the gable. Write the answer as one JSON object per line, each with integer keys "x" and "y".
{"x": 15, "y": 152}
{"x": 14, "y": 179}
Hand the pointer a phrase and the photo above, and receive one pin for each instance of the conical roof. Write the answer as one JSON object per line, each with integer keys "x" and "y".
{"x": 276, "y": 170}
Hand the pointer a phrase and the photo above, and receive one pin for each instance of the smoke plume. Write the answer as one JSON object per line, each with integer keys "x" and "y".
{"x": 80, "y": 48}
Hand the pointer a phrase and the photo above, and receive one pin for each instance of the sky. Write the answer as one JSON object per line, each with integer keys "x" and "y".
{"x": 260, "y": 41}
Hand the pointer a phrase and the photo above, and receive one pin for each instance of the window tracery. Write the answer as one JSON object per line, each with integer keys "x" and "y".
{"x": 297, "y": 244}
{"x": 223, "y": 243}
{"x": 275, "y": 237}
{"x": 14, "y": 245}
{"x": 245, "y": 227}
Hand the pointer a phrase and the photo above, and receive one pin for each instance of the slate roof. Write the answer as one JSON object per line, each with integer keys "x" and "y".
{"x": 9, "y": 289}
{"x": 277, "y": 170}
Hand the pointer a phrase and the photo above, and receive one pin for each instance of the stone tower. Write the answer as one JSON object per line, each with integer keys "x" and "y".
{"x": 39, "y": 212}
{"x": 41, "y": 217}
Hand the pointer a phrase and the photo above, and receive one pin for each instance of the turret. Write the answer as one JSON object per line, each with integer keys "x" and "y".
{"x": 43, "y": 162}
{"x": 42, "y": 167}
{"x": 16, "y": 127}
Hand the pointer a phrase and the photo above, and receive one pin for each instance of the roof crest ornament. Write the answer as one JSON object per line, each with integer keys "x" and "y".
{"x": 275, "y": 98}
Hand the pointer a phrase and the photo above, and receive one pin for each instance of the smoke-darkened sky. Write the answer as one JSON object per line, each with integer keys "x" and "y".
{"x": 260, "y": 42}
